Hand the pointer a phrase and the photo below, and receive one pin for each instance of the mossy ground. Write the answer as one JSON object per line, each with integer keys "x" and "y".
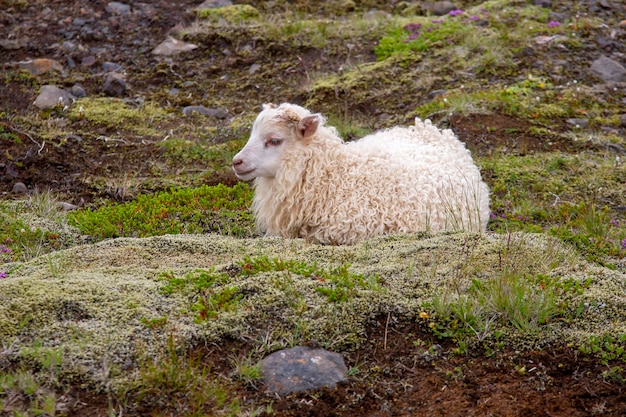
{"x": 176, "y": 322}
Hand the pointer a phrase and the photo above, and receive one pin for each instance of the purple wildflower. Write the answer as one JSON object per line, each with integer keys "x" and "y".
{"x": 553, "y": 24}
{"x": 493, "y": 215}
{"x": 624, "y": 244}
{"x": 4, "y": 249}
{"x": 474, "y": 18}
{"x": 503, "y": 216}
{"x": 456, "y": 12}
{"x": 3, "y": 274}
{"x": 437, "y": 21}
{"x": 413, "y": 37}
{"x": 614, "y": 223}
{"x": 413, "y": 27}
{"x": 8, "y": 240}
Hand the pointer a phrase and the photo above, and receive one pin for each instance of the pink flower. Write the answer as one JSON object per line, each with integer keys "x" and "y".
{"x": 553, "y": 24}
{"x": 456, "y": 12}
{"x": 3, "y": 275}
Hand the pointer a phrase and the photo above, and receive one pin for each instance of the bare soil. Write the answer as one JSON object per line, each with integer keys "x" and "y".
{"x": 393, "y": 376}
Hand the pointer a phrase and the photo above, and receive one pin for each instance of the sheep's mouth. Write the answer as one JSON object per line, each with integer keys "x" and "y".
{"x": 242, "y": 174}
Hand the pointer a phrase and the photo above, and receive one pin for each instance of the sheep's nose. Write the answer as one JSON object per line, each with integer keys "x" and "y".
{"x": 237, "y": 161}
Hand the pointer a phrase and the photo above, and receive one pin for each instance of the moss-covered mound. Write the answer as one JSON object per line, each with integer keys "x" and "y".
{"x": 121, "y": 300}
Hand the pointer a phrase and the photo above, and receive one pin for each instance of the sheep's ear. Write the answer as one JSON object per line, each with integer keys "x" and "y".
{"x": 308, "y": 125}
{"x": 269, "y": 106}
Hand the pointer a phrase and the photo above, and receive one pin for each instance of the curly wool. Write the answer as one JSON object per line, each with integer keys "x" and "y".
{"x": 399, "y": 180}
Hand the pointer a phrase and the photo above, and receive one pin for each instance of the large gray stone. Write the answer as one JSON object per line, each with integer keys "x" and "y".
{"x": 608, "y": 70}
{"x": 51, "y": 96}
{"x": 302, "y": 368}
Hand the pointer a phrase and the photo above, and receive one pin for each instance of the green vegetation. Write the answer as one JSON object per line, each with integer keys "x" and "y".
{"x": 218, "y": 209}
{"x": 140, "y": 118}
{"x": 236, "y": 13}
{"x": 208, "y": 297}
{"x": 339, "y": 286}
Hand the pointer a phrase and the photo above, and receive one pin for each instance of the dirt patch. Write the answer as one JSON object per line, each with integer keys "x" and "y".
{"x": 486, "y": 134}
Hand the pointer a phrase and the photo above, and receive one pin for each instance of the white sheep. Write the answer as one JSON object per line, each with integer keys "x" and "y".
{"x": 311, "y": 184}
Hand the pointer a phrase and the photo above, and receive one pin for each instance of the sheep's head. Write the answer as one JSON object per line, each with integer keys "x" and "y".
{"x": 274, "y": 129}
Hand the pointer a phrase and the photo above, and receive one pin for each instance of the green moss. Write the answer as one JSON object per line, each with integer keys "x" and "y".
{"x": 206, "y": 209}
{"x": 98, "y": 304}
{"x": 236, "y": 13}
{"x": 141, "y": 119}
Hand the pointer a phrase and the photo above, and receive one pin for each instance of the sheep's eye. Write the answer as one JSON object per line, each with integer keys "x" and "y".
{"x": 273, "y": 142}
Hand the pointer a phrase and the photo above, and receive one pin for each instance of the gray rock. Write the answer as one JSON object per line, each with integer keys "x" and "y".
{"x": 13, "y": 43}
{"x": 608, "y": 70}
{"x": 543, "y": 3}
{"x": 438, "y": 8}
{"x": 172, "y": 46}
{"x": 51, "y": 96}
{"x": 217, "y": 113}
{"x": 78, "y": 91}
{"x": 19, "y": 188}
{"x": 213, "y": 4}
{"x": 67, "y": 206}
{"x": 114, "y": 85}
{"x": 578, "y": 123}
{"x": 436, "y": 93}
{"x": 111, "y": 66}
{"x": 115, "y": 7}
{"x": 302, "y": 368}
{"x": 254, "y": 68}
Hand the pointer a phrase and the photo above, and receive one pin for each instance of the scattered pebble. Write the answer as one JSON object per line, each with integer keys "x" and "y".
{"x": 578, "y": 123}
{"x": 172, "y": 46}
{"x": 438, "y": 8}
{"x": 115, "y": 7}
{"x": 78, "y": 91}
{"x": 51, "y": 96}
{"x": 114, "y": 84}
{"x": 608, "y": 70}
{"x": 217, "y": 113}
{"x": 19, "y": 188}
{"x": 111, "y": 66}
{"x": 254, "y": 68}
{"x": 67, "y": 206}
{"x": 40, "y": 65}
{"x": 214, "y": 4}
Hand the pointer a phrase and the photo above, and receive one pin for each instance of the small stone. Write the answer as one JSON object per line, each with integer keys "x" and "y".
{"x": 78, "y": 91}
{"x": 67, "y": 206}
{"x": 88, "y": 61}
{"x": 111, "y": 66}
{"x": 19, "y": 188}
{"x": 543, "y": 3}
{"x": 172, "y": 46}
{"x": 40, "y": 65}
{"x": 68, "y": 46}
{"x": 302, "y": 368}
{"x": 51, "y": 96}
{"x": 217, "y": 113}
{"x": 12, "y": 43}
{"x": 254, "y": 68}
{"x": 214, "y": 4}
{"x": 439, "y": 8}
{"x": 436, "y": 93}
{"x": 114, "y": 84}
{"x": 578, "y": 123}
{"x": 115, "y": 7}
{"x": 608, "y": 70}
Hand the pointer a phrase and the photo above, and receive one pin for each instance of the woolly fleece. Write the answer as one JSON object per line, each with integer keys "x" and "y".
{"x": 401, "y": 180}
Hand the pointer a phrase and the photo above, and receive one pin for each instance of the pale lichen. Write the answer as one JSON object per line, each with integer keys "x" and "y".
{"x": 96, "y": 305}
